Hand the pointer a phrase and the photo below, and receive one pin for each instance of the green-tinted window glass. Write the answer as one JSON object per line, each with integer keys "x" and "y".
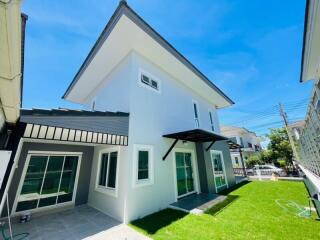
{"x": 179, "y": 159}
{"x": 53, "y": 174}
{"x": 27, "y": 205}
{"x": 143, "y": 165}
{"x": 68, "y": 179}
{"x": 34, "y": 175}
{"x": 48, "y": 178}
{"x": 103, "y": 169}
{"x": 112, "y": 170}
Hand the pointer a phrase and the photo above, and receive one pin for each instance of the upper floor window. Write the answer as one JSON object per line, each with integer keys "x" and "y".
{"x": 250, "y": 145}
{"x": 149, "y": 81}
{"x": 196, "y": 114}
{"x": 211, "y": 121}
{"x": 93, "y": 105}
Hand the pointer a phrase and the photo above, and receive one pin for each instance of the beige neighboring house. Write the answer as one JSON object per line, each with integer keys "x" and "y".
{"x": 12, "y": 24}
{"x": 12, "y": 32}
{"x": 296, "y": 129}
{"x": 248, "y": 140}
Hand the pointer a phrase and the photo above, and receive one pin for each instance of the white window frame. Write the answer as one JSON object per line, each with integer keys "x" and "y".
{"x": 223, "y": 166}
{"x": 196, "y": 119}
{"x": 211, "y": 119}
{"x": 196, "y": 180}
{"x": 143, "y": 182}
{"x": 150, "y": 76}
{"x": 24, "y": 172}
{"x": 105, "y": 189}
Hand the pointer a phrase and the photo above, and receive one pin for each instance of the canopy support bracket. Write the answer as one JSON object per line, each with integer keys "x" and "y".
{"x": 170, "y": 149}
{"x": 210, "y": 145}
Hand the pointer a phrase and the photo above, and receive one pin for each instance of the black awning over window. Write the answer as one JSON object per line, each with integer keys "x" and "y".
{"x": 196, "y": 135}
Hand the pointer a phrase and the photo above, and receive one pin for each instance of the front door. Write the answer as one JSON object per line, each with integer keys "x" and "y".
{"x": 219, "y": 172}
{"x": 184, "y": 170}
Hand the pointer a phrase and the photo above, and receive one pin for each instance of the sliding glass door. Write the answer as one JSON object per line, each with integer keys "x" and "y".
{"x": 218, "y": 170}
{"x": 49, "y": 180}
{"x": 184, "y": 172}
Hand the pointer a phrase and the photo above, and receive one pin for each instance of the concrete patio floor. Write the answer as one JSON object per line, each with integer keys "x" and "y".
{"x": 197, "y": 203}
{"x": 82, "y": 222}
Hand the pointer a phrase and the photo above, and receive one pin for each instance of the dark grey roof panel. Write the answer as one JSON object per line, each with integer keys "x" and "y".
{"x": 112, "y": 124}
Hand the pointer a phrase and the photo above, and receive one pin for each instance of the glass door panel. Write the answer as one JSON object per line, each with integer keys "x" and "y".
{"x": 68, "y": 179}
{"x": 181, "y": 174}
{"x": 35, "y": 173}
{"x": 49, "y": 180}
{"x": 184, "y": 172}
{"x": 32, "y": 184}
{"x": 218, "y": 170}
{"x": 189, "y": 177}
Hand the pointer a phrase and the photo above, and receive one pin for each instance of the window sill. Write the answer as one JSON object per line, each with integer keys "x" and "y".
{"x": 143, "y": 183}
{"x": 107, "y": 191}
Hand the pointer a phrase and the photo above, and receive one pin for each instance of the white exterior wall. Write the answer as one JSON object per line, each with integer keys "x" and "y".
{"x": 106, "y": 202}
{"x": 152, "y": 115}
{"x": 113, "y": 93}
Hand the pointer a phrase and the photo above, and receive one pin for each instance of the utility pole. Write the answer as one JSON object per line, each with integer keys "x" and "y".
{"x": 292, "y": 143}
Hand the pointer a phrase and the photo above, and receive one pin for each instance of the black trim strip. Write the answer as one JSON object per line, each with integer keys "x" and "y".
{"x": 170, "y": 149}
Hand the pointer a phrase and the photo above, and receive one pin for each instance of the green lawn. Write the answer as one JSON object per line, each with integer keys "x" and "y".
{"x": 251, "y": 212}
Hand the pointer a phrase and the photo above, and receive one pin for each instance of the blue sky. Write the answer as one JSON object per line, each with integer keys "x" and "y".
{"x": 249, "y": 49}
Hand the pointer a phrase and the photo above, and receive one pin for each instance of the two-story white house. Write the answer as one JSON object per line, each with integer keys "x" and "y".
{"x": 149, "y": 134}
{"x": 249, "y": 142}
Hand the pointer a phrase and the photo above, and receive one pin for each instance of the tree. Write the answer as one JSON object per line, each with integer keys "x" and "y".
{"x": 254, "y": 159}
{"x": 279, "y": 146}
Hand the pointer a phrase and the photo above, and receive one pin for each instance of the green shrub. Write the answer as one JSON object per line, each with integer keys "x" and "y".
{"x": 282, "y": 163}
{"x": 254, "y": 160}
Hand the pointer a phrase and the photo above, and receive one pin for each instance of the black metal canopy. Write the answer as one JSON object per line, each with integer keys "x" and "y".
{"x": 195, "y": 135}
{"x": 233, "y": 145}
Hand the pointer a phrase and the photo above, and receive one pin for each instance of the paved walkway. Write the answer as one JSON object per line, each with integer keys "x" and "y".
{"x": 121, "y": 232}
{"x": 82, "y": 222}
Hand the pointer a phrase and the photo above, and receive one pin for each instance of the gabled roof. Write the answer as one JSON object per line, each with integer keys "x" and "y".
{"x": 124, "y": 10}
{"x": 95, "y": 121}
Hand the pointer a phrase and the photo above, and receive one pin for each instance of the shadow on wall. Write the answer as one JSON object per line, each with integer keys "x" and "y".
{"x": 154, "y": 222}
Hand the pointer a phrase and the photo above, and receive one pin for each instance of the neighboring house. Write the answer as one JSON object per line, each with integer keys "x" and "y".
{"x": 161, "y": 141}
{"x": 249, "y": 142}
{"x": 309, "y": 144}
{"x": 296, "y": 129}
{"x": 12, "y": 29}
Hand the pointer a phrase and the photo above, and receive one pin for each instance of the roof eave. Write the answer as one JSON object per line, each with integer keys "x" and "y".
{"x": 306, "y": 18}
{"x": 123, "y": 8}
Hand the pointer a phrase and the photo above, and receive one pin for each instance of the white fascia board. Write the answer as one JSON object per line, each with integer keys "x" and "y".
{"x": 125, "y": 37}
{"x": 311, "y": 52}
{"x": 312, "y": 177}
